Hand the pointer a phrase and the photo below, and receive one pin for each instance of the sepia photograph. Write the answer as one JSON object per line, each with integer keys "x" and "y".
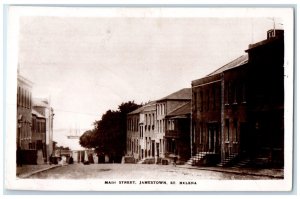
{"x": 149, "y": 98}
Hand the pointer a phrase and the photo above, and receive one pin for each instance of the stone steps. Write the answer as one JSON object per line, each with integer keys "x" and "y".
{"x": 228, "y": 160}
{"x": 196, "y": 158}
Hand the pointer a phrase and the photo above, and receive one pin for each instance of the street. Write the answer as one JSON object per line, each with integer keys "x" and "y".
{"x": 137, "y": 171}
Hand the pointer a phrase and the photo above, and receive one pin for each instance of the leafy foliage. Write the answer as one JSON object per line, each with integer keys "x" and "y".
{"x": 109, "y": 133}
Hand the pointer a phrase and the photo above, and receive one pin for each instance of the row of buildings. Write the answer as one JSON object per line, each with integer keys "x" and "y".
{"x": 155, "y": 129}
{"x": 34, "y": 138}
{"x": 233, "y": 116}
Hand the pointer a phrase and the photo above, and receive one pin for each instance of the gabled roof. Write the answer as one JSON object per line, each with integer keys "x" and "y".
{"x": 235, "y": 63}
{"x": 34, "y": 112}
{"x": 181, "y": 111}
{"x": 183, "y": 94}
{"x": 147, "y": 107}
{"x": 40, "y": 102}
{"x": 136, "y": 111}
{"x": 24, "y": 80}
{"x": 151, "y": 106}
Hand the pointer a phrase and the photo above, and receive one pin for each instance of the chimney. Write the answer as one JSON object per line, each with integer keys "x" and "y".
{"x": 274, "y": 33}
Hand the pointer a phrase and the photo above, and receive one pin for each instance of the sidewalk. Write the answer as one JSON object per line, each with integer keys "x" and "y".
{"x": 271, "y": 173}
{"x": 28, "y": 170}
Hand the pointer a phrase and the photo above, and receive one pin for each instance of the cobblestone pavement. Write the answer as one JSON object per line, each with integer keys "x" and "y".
{"x": 141, "y": 171}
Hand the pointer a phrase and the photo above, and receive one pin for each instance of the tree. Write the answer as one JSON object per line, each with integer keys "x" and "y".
{"x": 88, "y": 139}
{"x": 109, "y": 133}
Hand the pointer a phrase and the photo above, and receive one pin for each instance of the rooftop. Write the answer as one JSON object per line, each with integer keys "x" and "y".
{"x": 235, "y": 63}
{"x": 40, "y": 102}
{"x": 273, "y": 35}
{"x": 151, "y": 106}
{"x": 181, "y": 111}
{"x": 183, "y": 94}
{"x": 25, "y": 80}
{"x": 35, "y": 112}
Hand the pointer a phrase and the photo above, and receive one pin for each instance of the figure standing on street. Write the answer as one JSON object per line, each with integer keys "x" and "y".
{"x": 175, "y": 160}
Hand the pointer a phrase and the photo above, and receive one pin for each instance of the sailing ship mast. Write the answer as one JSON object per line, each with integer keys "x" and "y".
{"x": 73, "y": 136}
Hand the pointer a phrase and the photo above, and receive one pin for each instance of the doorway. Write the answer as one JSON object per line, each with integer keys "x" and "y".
{"x": 213, "y": 138}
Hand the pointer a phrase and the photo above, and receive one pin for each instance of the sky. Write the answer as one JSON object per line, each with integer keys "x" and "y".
{"x": 88, "y": 65}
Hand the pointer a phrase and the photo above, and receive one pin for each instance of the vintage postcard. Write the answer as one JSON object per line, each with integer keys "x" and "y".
{"x": 149, "y": 98}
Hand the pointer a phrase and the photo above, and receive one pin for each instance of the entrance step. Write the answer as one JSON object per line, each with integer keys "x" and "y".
{"x": 229, "y": 160}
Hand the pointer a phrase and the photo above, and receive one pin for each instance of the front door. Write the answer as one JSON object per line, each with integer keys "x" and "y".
{"x": 213, "y": 138}
{"x": 245, "y": 138}
{"x": 153, "y": 148}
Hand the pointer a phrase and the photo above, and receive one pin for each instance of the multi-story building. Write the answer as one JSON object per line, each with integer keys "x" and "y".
{"x": 38, "y": 131}
{"x": 42, "y": 106}
{"x": 147, "y": 130}
{"x": 165, "y": 106}
{"x": 24, "y": 108}
{"x": 177, "y": 137}
{"x": 140, "y": 131}
{"x": 264, "y": 129}
{"x": 237, "y": 111}
{"x": 208, "y": 105}
{"x": 146, "y": 126}
{"x": 133, "y": 134}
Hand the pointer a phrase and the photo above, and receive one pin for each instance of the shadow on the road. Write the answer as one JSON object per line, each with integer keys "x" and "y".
{"x": 102, "y": 170}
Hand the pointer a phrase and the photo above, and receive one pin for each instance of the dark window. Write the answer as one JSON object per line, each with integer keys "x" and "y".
{"x": 24, "y": 102}
{"x": 195, "y": 100}
{"x": 234, "y": 90}
{"x": 140, "y": 130}
{"x": 26, "y": 99}
{"x": 18, "y": 96}
{"x": 39, "y": 127}
{"x": 133, "y": 124}
{"x": 214, "y": 97}
{"x": 207, "y": 102}
{"x": 236, "y": 130}
{"x": 201, "y": 101}
{"x": 32, "y": 126}
{"x": 146, "y": 119}
{"x": 153, "y": 119}
{"x": 244, "y": 93}
{"x": 30, "y": 99}
{"x": 227, "y": 128}
{"x": 200, "y": 132}
{"x": 21, "y": 97}
{"x": 44, "y": 127}
{"x": 227, "y": 92}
